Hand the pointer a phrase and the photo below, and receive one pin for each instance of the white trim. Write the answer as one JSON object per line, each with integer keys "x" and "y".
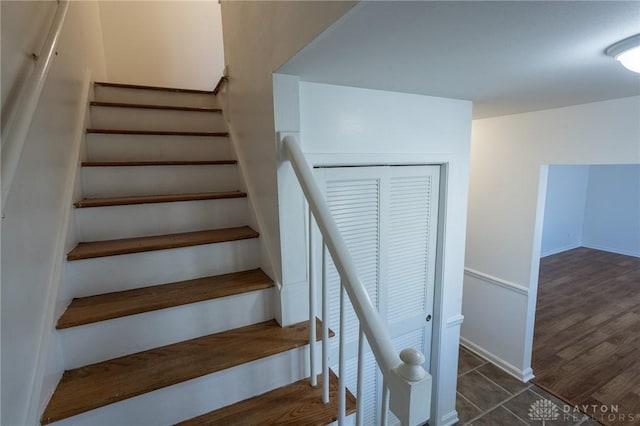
{"x": 375, "y": 159}
{"x": 265, "y": 235}
{"x": 36, "y": 399}
{"x": 560, "y": 250}
{"x": 522, "y": 375}
{"x": 534, "y": 272}
{"x": 449, "y": 419}
{"x": 497, "y": 281}
{"x": 611, "y": 250}
{"x": 455, "y": 320}
{"x": 290, "y": 309}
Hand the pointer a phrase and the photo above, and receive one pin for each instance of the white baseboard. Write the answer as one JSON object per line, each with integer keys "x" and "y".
{"x": 522, "y": 375}
{"x": 612, "y": 250}
{"x": 449, "y": 419}
{"x": 560, "y": 250}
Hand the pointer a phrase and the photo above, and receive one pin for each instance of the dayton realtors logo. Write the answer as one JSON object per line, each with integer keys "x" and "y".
{"x": 602, "y": 412}
{"x": 544, "y": 410}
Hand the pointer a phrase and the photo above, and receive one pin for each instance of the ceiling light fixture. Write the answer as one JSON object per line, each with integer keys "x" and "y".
{"x": 627, "y": 51}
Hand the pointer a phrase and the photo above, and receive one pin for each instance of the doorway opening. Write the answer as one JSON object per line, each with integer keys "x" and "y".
{"x": 586, "y": 339}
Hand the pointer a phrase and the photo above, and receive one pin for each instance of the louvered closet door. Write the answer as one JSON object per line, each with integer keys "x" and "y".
{"x": 388, "y": 218}
{"x": 409, "y": 224}
{"x": 353, "y": 196}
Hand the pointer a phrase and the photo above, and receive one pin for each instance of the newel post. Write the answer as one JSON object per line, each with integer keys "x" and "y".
{"x": 410, "y": 387}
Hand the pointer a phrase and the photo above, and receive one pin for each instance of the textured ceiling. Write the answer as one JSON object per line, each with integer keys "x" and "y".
{"x": 506, "y": 56}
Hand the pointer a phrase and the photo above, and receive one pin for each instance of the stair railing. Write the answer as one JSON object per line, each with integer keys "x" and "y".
{"x": 15, "y": 133}
{"x": 406, "y": 388}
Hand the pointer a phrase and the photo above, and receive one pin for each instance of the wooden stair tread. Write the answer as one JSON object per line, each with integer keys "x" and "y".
{"x": 87, "y": 310}
{"x": 86, "y": 388}
{"x": 153, "y": 106}
{"x": 295, "y": 404}
{"x": 151, "y": 199}
{"x": 155, "y": 132}
{"x": 157, "y": 163}
{"x": 160, "y": 88}
{"x": 158, "y": 242}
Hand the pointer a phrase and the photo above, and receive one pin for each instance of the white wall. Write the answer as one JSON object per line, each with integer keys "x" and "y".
{"x": 19, "y": 41}
{"x": 564, "y": 208}
{"x": 163, "y": 43}
{"x": 349, "y": 126}
{"x": 612, "y": 215}
{"x": 33, "y": 231}
{"x": 258, "y": 38}
{"x": 508, "y": 177}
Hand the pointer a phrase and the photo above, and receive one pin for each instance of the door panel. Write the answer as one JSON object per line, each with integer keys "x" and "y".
{"x": 354, "y": 203}
{"x": 411, "y": 231}
{"x": 387, "y": 216}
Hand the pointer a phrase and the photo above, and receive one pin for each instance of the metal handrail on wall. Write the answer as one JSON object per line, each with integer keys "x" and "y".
{"x": 406, "y": 385}
{"x": 15, "y": 133}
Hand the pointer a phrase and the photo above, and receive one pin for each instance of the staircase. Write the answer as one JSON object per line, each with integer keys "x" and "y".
{"x": 172, "y": 320}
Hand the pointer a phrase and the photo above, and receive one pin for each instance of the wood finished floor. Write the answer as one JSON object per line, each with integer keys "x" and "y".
{"x": 586, "y": 346}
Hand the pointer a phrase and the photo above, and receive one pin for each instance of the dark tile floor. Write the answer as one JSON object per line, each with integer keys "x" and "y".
{"x": 487, "y": 396}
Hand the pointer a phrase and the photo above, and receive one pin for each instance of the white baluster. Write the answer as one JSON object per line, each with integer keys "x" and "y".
{"x": 359, "y": 404}
{"x": 342, "y": 391}
{"x": 385, "y": 404}
{"x": 312, "y": 304}
{"x": 325, "y": 327}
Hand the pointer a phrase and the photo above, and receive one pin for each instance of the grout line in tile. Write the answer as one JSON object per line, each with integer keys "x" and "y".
{"x": 496, "y": 406}
{"x": 467, "y": 399}
{"x": 516, "y": 416}
{"x": 469, "y": 371}
{"x": 507, "y": 391}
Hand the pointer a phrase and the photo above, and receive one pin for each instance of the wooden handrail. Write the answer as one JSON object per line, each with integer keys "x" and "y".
{"x": 157, "y": 88}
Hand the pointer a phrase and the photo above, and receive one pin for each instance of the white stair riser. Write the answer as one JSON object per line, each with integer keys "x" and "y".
{"x": 139, "y": 220}
{"x": 105, "y": 340}
{"x": 124, "y": 272}
{"x": 104, "y": 147}
{"x": 154, "y": 97}
{"x": 350, "y": 420}
{"x": 195, "y": 397}
{"x": 154, "y": 119}
{"x": 157, "y": 180}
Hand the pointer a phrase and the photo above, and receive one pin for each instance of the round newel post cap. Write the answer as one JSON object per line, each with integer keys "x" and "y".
{"x": 411, "y": 367}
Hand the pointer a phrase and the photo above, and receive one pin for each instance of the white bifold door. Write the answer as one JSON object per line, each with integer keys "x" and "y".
{"x": 388, "y": 217}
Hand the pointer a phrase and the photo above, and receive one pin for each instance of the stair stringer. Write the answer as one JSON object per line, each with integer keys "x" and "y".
{"x": 256, "y": 221}
{"x": 50, "y": 361}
